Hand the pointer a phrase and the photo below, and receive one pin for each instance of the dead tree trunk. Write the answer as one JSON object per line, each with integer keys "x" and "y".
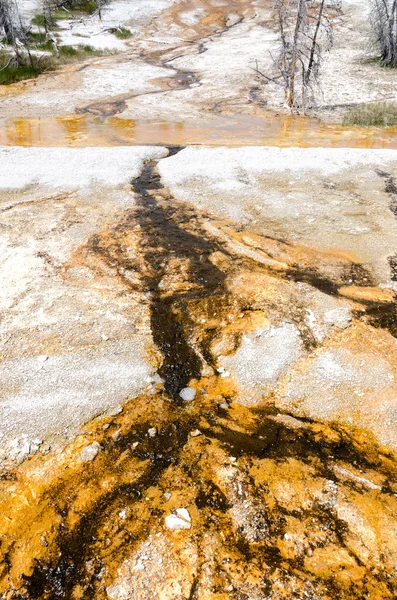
{"x": 384, "y": 26}
{"x": 292, "y": 68}
{"x": 10, "y": 22}
{"x": 305, "y": 32}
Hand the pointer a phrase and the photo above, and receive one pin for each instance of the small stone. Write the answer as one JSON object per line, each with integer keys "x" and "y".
{"x": 224, "y": 405}
{"x": 25, "y": 448}
{"x": 183, "y": 513}
{"x": 188, "y": 394}
{"x": 179, "y": 520}
{"x": 115, "y": 436}
{"x": 152, "y": 432}
{"x": 123, "y": 514}
{"x": 195, "y": 433}
{"x": 104, "y": 337}
{"x": 135, "y": 444}
{"x": 167, "y": 495}
{"x": 233, "y": 459}
{"x": 89, "y": 452}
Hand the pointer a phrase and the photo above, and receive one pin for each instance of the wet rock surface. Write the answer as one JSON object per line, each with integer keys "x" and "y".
{"x": 258, "y": 461}
{"x": 255, "y": 506}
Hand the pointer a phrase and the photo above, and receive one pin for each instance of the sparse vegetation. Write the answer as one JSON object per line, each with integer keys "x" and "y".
{"x": 122, "y": 33}
{"x": 377, "y": 114}
{"x": 68, "y": 54}
{"x": 86, "y": 6}
{"x": 12, "y": 71}
{"x": 36, "y": 37}
{"x": 20, "y": 59}
{"x": 26, "y": 67}
{"x": 46, "y": 46}
{"x": 39, "y": 20}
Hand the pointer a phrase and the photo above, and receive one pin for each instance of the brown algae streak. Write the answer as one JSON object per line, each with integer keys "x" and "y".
{"x": 69, "y": 526}
{"x": 276, "y": 503}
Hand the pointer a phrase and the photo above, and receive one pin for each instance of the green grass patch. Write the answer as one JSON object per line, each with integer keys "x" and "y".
{"x": 68, "y": 51}
{"x": 14, "y": 72}
{"x": 36, "y": 37}
{"x": 67, "y": 54}
{"x": 74, "y": 53}
{"x": 47, "y": 46}
{"x": 376, "y": 114}
{"x": 87, "y": 7}
{"x": 122, "y": 33}
{"x": 39, "y": 20}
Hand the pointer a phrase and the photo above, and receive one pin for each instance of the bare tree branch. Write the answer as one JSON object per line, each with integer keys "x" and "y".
{"x": 305, "y": 35}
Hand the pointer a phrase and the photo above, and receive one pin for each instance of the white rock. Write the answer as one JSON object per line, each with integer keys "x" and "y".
{"x": 339, "y": 317}
{"x": 152, "y": 432}
{"x": 188, "y": 394}
{"x": 183, "y": 513}
{"x": 115, "y": 436}
{"x": 180, "y": 520}
{"x": 195, "y": 433}
{"x": 89, "y": 452}
{"x": 25, "y": 448}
